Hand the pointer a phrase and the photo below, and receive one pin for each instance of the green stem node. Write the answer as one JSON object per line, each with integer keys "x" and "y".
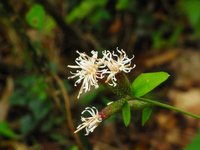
{"x": 117, "y": 106}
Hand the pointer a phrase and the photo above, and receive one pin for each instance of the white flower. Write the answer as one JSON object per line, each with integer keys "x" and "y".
{"x": 89, "y": 71}
{"x": 89, "y": 123}
{"x": 122, "y": 63}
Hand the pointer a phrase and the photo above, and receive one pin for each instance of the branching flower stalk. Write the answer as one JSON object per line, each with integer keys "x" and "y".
{"x": 90, "y": 123}
{"x": 113, "y": 66}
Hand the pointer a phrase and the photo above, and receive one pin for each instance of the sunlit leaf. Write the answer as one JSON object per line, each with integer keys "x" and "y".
{"x": 126, "y": 113}
{"x": 146, "y": 82}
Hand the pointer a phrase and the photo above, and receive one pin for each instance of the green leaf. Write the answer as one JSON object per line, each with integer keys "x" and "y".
{"x": 146, "y": 114}
{"x": 146, "y": 82}
{"x": 191, "y": 8}
{"x": 36, "y": 16}
{"x": 126, "y": 113}
{"x": 84, "y": 9}
{"x": 192, "y": 11}
{"x": 195, "y": 143}
{"x": 6, "y": 131}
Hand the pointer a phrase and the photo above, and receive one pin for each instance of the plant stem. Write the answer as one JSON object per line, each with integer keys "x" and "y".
{"x": 117, "y": 106}
{"x": 168, "y": 107}
{"x": 114, "y": 107}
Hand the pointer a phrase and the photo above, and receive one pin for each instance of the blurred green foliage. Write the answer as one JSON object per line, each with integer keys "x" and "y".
{"x": 88, "y": 97}
{"x": 6, "y": 131}
{"x": 74, "y": 147}
{"x": 122, "y": 4}
{"x": 159, "y": 41}
{"x": 49, "y": 25}
{"x": 86, "y": 8}
{"x": 192, "y": 11}
{"x": 34, "y": 100}
{"x": 195, "y": 144}
{"x": 36, "y": 16}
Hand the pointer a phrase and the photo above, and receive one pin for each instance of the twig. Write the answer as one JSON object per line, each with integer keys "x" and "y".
{"x": 68, "y": 110}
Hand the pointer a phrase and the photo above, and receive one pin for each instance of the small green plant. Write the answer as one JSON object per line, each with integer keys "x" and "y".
{"x": 131, "y": 96}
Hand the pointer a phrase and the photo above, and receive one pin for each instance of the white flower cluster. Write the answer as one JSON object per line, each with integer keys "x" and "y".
{"x": 93, "y": 68}
{"x": 89, "y": 123}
